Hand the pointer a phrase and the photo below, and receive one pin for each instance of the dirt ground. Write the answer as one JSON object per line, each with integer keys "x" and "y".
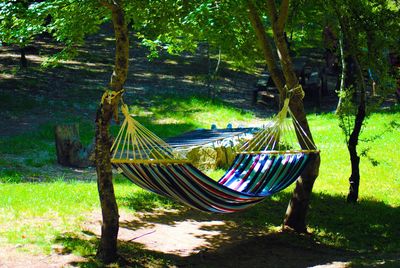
{"x": 189, "y": 240}
{"x": 186, "y": 238}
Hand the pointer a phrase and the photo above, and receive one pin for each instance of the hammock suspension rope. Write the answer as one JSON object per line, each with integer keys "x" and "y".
{"x": 264, "y": 165}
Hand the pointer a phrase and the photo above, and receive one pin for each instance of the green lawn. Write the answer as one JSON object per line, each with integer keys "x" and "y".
{"x": 38, "y": 211}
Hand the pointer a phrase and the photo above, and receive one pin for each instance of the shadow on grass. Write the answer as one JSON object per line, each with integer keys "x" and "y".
{"x": 363, "y": 235}
{"x": 271, "y": 250}
{"x": 370, "y": 226}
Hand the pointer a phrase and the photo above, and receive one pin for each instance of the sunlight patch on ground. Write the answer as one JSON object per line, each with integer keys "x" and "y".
{"x": 183, "y": 238}
{"x": 172, "y": 62}
{"x": 7, "y": 76}
{"x": 88, "y": 64}
{"x": 4, "y": 55}
{"x": 143, "y": 74}
{"x": 335, "y": 264}
{"x": 167, "y": 121}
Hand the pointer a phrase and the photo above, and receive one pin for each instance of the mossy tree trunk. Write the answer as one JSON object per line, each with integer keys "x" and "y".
{"x": 107, "y": 250}
{"x": 295, "y": 217}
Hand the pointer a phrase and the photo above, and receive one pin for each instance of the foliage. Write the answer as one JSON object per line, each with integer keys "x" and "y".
{"x": 20, "y": 22}
{"x": 181, "y": 26}
{"x": 68, "y": 22}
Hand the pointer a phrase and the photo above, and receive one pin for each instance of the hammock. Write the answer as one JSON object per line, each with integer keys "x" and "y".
{"x": 266, "y": 164}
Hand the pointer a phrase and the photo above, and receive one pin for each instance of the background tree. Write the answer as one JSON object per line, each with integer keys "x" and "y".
{"x": 278, "y": 14}
{"x": 364, "y": 27}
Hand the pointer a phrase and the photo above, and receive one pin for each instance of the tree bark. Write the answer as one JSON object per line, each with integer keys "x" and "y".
{"x": 354, "y": 179}
{"x": 23, "y": 61}
{"x": 297, "y": 209}
{"x": 107, "y": 250}
{"x": 69, "y": 149}
{"x": 265, "y": 44}
{"x": 354, "y": 78}
{"x": 295, "y": 217}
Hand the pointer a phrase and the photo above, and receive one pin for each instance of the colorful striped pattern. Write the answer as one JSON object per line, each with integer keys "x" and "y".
{"x": 251, "y": 178}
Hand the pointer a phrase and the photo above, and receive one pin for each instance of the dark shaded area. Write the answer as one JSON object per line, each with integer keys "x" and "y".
{"x": 36, "y": 95}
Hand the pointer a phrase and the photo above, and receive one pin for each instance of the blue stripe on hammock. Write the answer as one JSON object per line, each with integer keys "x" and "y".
{"x": 221, "y": 196}
{"x": 268, "y": 175}
{"x": 296, "y": 172}
{"x": 240, "y": 166}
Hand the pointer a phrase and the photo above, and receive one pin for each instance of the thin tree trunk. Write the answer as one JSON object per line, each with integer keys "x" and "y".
{"x": 343, "y": 72}
{"x": 354, "y": 77}
{"x": 23, "y": 61}
{"x": 354, "y": 179}
{"x": 107, "y": 250}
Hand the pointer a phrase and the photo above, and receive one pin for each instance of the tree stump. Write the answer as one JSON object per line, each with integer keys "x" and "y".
{"x": 70, "y": 151}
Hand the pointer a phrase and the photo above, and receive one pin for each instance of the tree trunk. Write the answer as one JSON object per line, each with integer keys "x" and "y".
{"x": 23, "y": 61}
{"x": 70, "y": 151}
{"x": 342, "y": 74}
{"x": 296, "y": 212}
{"x": 107, "y": 250}
{"x": 265, "y": 44}
{"x": 295, "y": 217}
{"x": 354, "y": 179}
{"x": 354, "y": 78}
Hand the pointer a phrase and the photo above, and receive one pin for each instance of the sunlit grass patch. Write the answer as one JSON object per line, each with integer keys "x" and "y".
{"x": 37, "y": 213}
{"x": 173, "y": 115}
{"x": 378, "y": 179}
{"x": 216, "y": 174}
{"x": 33, "y": 213}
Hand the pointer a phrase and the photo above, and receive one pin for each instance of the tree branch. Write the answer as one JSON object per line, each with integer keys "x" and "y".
{"x": 281, "y": 46}
{"x": 283, "y": 14}
{"x": 266, "y": 47}
{"x": 272, "y": 11}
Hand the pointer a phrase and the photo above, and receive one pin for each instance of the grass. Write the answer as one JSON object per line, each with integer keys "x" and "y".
{"x": 37, "y": 142}
{"x": 379, "y": 178}
{"x": 40, "y": 215}
{"x": 36, "y": 213}
{"x": 15, "y": 104}
{"x": 170, "y": 115}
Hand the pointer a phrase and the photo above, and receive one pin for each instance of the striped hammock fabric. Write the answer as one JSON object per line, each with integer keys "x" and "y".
{"x": 251, "y": 178}
{"x": 266, "y": 164}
